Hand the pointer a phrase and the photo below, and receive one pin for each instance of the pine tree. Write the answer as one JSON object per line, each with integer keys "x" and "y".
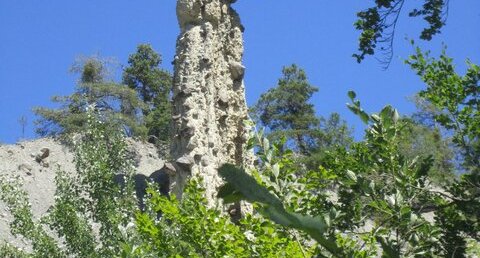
{"x": 152, "y": 85}
{"x": 94, "y": 88}
{"x": 285, "y": 110}
{"x": 333, "y": 132}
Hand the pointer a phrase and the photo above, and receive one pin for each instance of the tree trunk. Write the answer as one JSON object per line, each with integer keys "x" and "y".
{"x": 209, "y": 106}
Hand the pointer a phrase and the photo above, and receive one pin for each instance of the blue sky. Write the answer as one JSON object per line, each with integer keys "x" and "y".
{"x": 39, "y": 41}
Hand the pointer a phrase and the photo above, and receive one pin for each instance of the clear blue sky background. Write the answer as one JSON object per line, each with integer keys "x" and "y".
{"x": 39, "y": 41}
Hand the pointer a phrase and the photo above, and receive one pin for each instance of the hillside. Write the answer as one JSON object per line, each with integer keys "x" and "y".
{"x": 24, "y": 159}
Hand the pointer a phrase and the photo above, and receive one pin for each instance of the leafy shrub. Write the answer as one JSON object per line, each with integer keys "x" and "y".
{"x": 190, "y": 229}
{"x": 380, "y": 196}
{"x": 366, "y": 200}
{"x": 89, "y": 211}
{"x": 92, "y": 217}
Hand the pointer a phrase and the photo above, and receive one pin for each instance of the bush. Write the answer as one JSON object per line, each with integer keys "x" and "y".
{"x": 92, "y": 217}
{"x": 89, "y": 211}
{"x": 380, "y": 196}
{"x": 366, "y": 201}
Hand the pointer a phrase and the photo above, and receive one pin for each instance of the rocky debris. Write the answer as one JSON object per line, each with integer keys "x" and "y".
{"x": 208, "y": 93}
{"x": 39, "y": 177}
{"x": 237, "y": 70}
{"x": 42, "y": 154}
{"x": 184, "y": 162}
{"x": 25, "y": 167}
{"x": 170, "y": 169}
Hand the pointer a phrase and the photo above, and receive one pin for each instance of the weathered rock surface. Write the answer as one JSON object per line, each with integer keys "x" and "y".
{"x": 17, "y": 160}
{"x": 42, "y": 154}
{"x": 208, "y": 93}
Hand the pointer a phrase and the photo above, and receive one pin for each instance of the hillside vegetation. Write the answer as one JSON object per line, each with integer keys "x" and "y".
{"x": 274, "y": 180}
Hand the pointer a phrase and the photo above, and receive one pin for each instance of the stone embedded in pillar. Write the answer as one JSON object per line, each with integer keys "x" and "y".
{"x": 208, "y": 93}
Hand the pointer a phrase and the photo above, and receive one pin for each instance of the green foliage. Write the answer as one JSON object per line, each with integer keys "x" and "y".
{"x": 331, "y": 134}
{"x": 278, "y": 170}
{"x": 84, "y": 201}
{"x": 360, "y": 199}
{"x": 376, "y": 181}
{"x": 93, "y": 88}
{"x": 419, "y": 140}
{"x": 286, "y": 113}
{"x": 366, "y": 200}
{"x": 102, "y": 154}
{"x": 190, "y": 229}
{"x": 23, "y": 223}
{"x": 285, "y": 109}
{"x": 152, "y": 85}
{"x": 243, "y": 186}
{"x": 473, "y": 248}
{"x": 95, "y": 219}
{"x": 377, "y": 25}
{"x": 141, "y": 106}
{"x": 8, "y": 251}
{"x": 456, "y": 98}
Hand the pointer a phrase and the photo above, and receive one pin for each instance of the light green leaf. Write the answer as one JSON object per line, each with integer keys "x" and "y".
{"x": 351, "y": 175}
{"x": 352, "y": 95}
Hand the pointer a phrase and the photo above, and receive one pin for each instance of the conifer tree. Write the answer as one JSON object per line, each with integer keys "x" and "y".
{"x": 152, "y": 85}
{"x": 94, "y": 88}
{"x": 285, "y": 110}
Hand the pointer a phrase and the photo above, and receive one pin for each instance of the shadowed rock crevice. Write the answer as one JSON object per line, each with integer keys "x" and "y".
{"x": 161, "y": 178}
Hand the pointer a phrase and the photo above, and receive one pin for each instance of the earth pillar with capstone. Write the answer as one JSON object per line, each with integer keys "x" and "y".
{"x": 209, "y": 107}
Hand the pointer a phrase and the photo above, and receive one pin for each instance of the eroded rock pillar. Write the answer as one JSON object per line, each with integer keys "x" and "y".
{"x": 208, "y": 93}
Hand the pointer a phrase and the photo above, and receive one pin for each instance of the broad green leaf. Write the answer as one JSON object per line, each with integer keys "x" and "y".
{"x": 228, "y": 193}
{"x": 273, "y": 207}
{"x": 276, "y": 170}
{"x": 364, "y": 117}
{"x": 247, "y": 185}
{"x": 352, "y": 95}
{"x": 388, "y": 250}
{"x": 351, "y": 175}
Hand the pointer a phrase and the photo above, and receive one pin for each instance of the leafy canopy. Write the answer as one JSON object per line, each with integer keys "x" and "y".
{"x": 94, "y": 88}
{"x": 380, "y": 196}
{"x": 377, "y": 25}
{"x": 456, "y": 99}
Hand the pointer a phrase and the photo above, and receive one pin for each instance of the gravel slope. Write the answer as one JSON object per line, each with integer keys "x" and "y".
{"x": 38, "y": 177}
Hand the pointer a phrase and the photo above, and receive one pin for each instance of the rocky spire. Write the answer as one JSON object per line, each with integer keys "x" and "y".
{"x": 209, "y": 106}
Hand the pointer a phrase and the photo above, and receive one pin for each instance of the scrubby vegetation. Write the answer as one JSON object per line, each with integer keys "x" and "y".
{"x": 409, "y": 188}
{"x": 140, "y": 104}
{"x": 364, "y": 199}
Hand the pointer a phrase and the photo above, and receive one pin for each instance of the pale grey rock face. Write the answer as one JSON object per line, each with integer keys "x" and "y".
{"x": 19, "y": 160}
{"x": 208, "y": 93}
{"x": 42, "y": 154}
